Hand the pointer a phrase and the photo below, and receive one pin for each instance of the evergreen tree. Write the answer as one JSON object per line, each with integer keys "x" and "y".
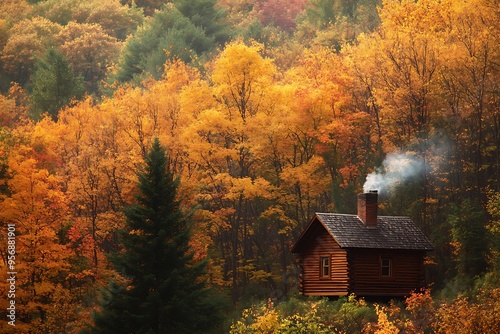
{"x": 168, "y": 34}
{"x": 322, "y": 12}
{"x": 206, "y": 14}
{"x": 54, "y": 85}
{"x": 166, "y": 292}
{"x": 470, "y": 238}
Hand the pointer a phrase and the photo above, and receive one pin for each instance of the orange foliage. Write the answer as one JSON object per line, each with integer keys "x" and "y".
{"x": 257, "y": 151}
{"x": 12, "y": 111}
{"x": 38, "y": 208}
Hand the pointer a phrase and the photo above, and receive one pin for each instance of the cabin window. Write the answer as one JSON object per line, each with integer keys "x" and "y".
{"x": 325, "y": 267}
{"x": 385, "y": 267}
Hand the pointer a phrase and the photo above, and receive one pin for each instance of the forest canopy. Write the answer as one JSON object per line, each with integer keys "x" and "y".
{"x": 267, "y": 116}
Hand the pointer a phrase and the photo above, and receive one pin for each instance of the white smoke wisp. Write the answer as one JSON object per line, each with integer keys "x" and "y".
{"x": 396, "y": 168}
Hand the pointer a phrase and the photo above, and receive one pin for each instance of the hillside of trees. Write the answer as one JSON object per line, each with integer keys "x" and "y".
{"x": 269, "y": 110}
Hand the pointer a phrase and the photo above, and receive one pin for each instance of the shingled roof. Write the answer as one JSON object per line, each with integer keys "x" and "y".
{"x": 392, "y": 232}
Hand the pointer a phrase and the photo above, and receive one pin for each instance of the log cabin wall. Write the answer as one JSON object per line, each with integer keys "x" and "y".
{"x": 365, "y": 273}
{"x": 337, "y": 283}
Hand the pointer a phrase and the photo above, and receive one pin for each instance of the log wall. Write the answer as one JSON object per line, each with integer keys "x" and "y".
{"x": 311, "y": 284}
{"x": 365, "y": 279}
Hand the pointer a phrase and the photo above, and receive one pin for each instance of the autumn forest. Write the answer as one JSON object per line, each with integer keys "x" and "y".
{"x": 269, "y": 111}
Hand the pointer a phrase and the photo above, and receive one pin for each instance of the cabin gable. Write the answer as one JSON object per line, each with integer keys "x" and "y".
{"x": 323, "y": 264}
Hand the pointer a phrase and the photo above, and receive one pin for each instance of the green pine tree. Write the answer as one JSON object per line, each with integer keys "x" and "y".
{"x": 166, "y": 292}
{"x": 188, "y": 30}
{"x": 167, "y": 34}
{"x": 206, "y": 14}
{"x": 53, "y": 85}
{"x": 468, "y": 230}
{"x": 322, "y": 13}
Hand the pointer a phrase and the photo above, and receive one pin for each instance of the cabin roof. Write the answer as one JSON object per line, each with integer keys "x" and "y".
{"x": 392, "y": 232}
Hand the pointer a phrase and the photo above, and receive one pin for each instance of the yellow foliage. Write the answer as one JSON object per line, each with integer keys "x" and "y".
{"x": 241, "y": 77}
{"x": 384, "y": 325}
{"x": 309, "y": 176}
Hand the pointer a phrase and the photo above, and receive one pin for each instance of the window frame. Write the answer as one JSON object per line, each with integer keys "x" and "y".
{"x": 389, "y": 266}
{"x": 325, "y": 263}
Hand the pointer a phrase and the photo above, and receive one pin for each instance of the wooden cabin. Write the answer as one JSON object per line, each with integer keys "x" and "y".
{"x": 364, "y": 254}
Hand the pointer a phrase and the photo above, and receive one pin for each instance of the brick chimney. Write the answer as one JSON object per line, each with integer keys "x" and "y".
{"x": 367, "y": 208}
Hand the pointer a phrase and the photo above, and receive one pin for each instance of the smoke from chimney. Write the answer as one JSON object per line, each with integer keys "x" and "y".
{"x": 396, "y": 168}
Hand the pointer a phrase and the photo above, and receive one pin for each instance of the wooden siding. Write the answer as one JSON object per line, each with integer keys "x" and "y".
{"x": 365, "y": 279}
{"x": 311, "y": 284}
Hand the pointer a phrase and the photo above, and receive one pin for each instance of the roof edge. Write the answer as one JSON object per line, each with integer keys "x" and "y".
{"x": 306, "y": 230}
{"x": 355, "y": 215}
